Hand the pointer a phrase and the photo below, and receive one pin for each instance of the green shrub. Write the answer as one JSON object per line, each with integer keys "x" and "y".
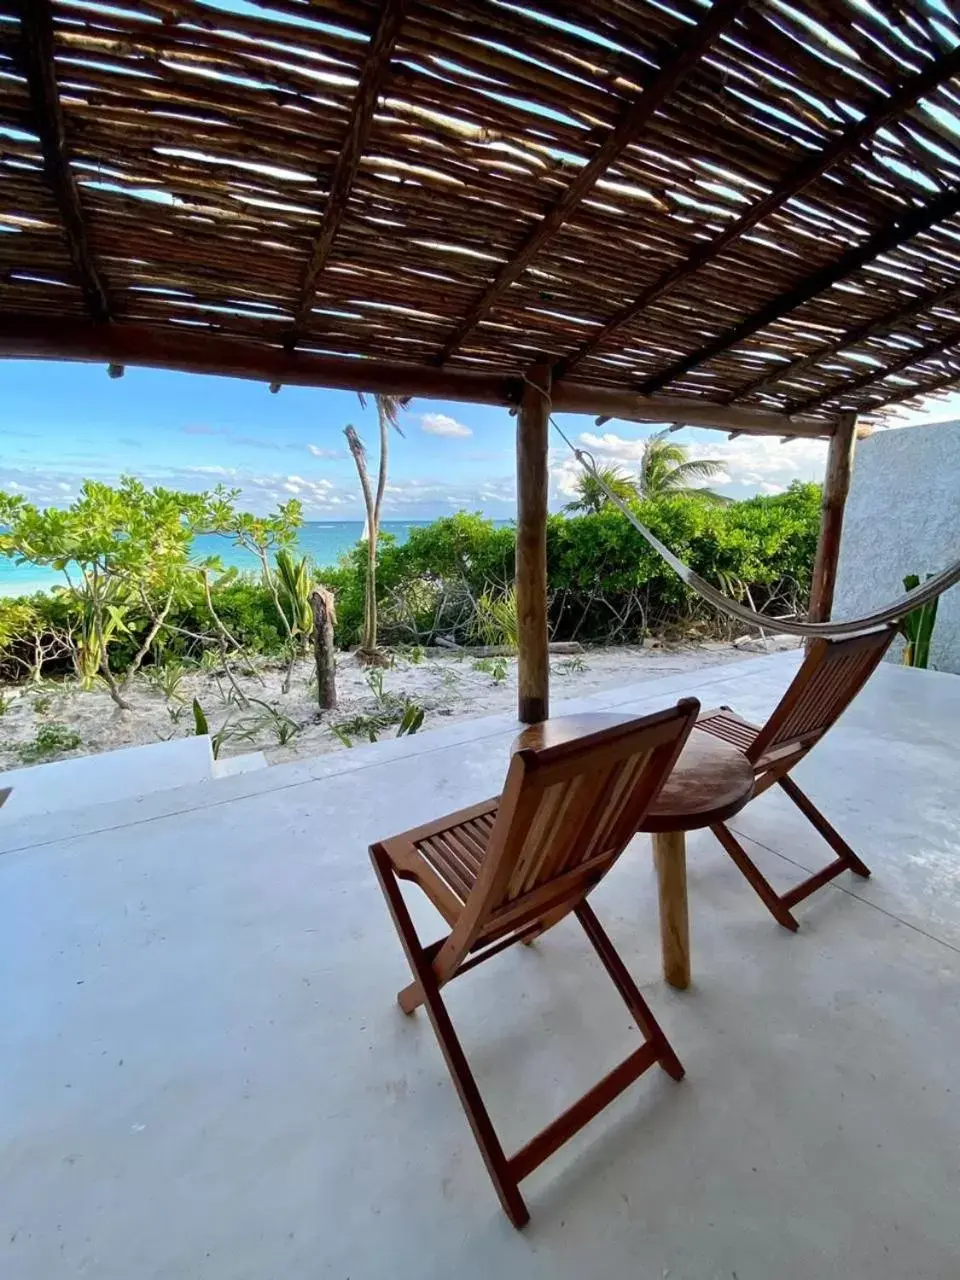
{"x": 51, "y": 740}
{"x": 606, "y": 583}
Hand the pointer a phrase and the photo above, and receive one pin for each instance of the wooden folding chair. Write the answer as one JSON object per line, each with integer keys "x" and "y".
{"x": 832, "y": 674}
{"x": 504, "y": 870}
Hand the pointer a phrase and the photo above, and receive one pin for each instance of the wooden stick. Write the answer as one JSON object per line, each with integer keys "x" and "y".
{"x": 172, "y": 347}
{"x": 916, "y": 355}
{"x": 836, "y": 486}
{"x": 908, "y": 95}
{"x": 633, "y": 121}
{"x": 533, "y": 668}
{"x": 613, "y": 402}
{"x": 324, "y": 616}
{"x": 852, "y": 337}
{"x": 191, "y": 352}
{"x": 372, "y": 79}
{"x": 37, "y": 44}
{"x": 888, "y": 237}
{"x": 943, "y": 383}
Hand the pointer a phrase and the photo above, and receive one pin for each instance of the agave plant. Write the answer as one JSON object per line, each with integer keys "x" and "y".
{"x": 294, "y": 586}
{"x": 496, "y": 618}
{"x": 101, "y": 617}
{"x": 917, "y": 627}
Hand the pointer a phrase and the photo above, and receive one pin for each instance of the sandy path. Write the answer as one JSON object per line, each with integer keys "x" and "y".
{"x": 447, "y": 688}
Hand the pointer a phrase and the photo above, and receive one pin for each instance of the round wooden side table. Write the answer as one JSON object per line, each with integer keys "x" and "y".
{"x": 710, "y": 783}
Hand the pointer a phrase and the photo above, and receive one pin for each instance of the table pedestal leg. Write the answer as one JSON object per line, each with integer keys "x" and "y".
{"x": 670, "y": 860}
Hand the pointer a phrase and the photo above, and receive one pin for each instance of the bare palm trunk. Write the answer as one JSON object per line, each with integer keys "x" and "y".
{"x": 387, "y": 407}
{"x": 324, "y": 616}
{"x": 368, "y": 640}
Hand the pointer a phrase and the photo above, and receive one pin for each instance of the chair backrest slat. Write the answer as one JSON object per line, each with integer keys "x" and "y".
{"x": 565, "y": 808}
{"x": 832, "y": 674}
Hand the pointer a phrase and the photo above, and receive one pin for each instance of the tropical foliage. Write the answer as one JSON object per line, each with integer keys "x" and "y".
{"x": 917, "y": 628}
{"x": 592, "y": 490}
{"x": 666, "y": 471}
{"x": 132, "y": 589}
{"x": 451, "y": 580}
{"x": 388, "y": 415}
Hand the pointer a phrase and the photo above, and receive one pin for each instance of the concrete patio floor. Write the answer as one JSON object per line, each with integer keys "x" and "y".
{"x": 203, "y": 1072}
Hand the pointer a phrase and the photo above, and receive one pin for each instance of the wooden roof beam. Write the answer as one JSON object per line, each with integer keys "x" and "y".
{"x": 369, "y": 88}
{"x": 909, "y": 93}
{"x": 633, "y": 121}
{"x": 889, "y": 237}
{"x": 609, "y": 402}
{"x": 944, "y": 383}
{"x": 190, "y": 351}
{"x": 37, "y": 51}
{"x": 916, "y": 355}
{"x": 853, "y": 337}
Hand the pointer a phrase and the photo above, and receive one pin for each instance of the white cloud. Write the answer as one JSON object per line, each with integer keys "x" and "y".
{"x": 204, "y": 471}
{"x": 403, "y": 497}
{"x": 261, "y": 490}
{"x": 440, "y": 424}
{"x": 752, "y": 464}
{"x": 319, "y": 452}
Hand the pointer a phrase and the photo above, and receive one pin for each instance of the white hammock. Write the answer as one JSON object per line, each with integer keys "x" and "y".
{"x": 923, "y": 594}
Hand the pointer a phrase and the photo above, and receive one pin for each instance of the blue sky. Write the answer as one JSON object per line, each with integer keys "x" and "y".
{"x": 61, "y": 423}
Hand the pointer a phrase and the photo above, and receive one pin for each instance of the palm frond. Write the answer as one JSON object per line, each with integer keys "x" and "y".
{"x": 695, "y": 469}
{"x": 709, "y": 496}
{"x": 388, "y": 407}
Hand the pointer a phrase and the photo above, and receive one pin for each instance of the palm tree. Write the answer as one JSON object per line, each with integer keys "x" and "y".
{"x": 388, "y": 413}
{"x": 667, "y": 472}
{"x": 591, "y": 495}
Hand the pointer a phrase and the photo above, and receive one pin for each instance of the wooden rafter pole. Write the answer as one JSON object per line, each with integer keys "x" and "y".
{"x": 37, "y": 52}
{"x": 372, "y": 79}
{"x": 907, "y": 95}
{"x": 887, "y": 238}
{"x": 611, "y": 402}
{"x": 191, "y": 351}
{"x": 836, "y": 486}
{"x": 943, "y": 383}
{"x": 916, "y": 355}
{"x": 533, "y": 666}
{"x": 633, "y": 121}
{"x": 851, "y": 338}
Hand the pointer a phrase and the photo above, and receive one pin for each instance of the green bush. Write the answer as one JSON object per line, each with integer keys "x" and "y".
{"x": 606, "y": 583}
{"x": 51, "y": 740}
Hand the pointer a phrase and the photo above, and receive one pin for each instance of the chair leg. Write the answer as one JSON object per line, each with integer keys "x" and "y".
{"x": 833, "y": 837}
{"x": 410, "y": 998}
{"x": 498, "y": 1166}
{"x": 629, "y": 991}
{"x": 763, "y": 888}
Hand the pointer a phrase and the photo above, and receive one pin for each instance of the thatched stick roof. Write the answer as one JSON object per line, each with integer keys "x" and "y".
{"x": 753, "y": 206}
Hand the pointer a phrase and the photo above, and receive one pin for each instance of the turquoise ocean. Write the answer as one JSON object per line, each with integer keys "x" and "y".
{"x": 323, "y": 541}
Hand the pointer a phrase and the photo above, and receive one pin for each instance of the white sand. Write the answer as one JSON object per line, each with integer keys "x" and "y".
{"x": 448, "y": 688}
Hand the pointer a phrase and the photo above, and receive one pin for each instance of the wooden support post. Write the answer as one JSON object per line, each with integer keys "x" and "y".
{"x": 670, "y": 860}
{"x": 836, "y": 485}
{"x": 324, "y": 616}
{"x": 533, "y": 670}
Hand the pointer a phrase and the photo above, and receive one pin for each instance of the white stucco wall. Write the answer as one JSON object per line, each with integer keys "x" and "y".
{"x": 903, "y": 516}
